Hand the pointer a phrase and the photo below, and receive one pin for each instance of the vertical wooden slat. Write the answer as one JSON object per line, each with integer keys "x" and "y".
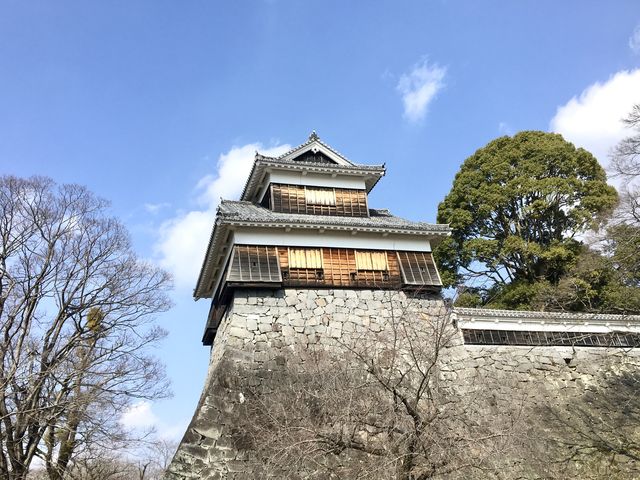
{"x": 292, "y": 199}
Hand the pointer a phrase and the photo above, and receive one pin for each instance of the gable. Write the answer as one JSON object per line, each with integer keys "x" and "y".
{"x": 314, "y": 157}
{"x": 315, "y": 151}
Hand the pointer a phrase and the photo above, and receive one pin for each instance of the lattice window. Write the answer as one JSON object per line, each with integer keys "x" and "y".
{"x": 371, "y": 261}
{"x": 535, "y": 338}
{"x": 305, "y": 258}
{"x": 254, "y": 263}
{"x": 319, "y": 196}
{"x": 418, "y": 268}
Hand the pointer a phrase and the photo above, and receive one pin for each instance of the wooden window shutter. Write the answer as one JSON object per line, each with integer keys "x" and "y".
{"x": 305, "y": 258}
{"x": 254, "y": 263}
{"x": 379, "y": 261}
{"x": 363, "y": 260}
{"x": 371, "y": 261}
{"x": 318, "y": 196}
{"x": 418, "y": 268}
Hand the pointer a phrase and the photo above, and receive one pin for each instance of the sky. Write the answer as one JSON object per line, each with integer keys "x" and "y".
{"x": 159, "y": 106}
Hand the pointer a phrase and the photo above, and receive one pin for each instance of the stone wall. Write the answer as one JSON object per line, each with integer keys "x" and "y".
{"x": 262, "y": 327}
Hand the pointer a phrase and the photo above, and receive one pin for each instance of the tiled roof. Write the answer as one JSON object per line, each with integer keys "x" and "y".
{"x": 506, "y": 315}
{"x": 346, "y": 168}
{"x": 247, "y": 212}
{"x": 372, "y": 173}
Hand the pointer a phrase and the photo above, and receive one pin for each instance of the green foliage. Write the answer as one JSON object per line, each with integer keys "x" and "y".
{"x": 515, "y": 209}
{"x": 604, "y": 280}
{"x": 469, "y": 299}
{"x": 519, "y": 295}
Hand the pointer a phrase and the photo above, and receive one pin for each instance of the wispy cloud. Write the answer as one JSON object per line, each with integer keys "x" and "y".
{"x": 182, "y": 240}
{"x": 593, "y": 119}
{"x": 634, "y": 40}
{"x": 505, "y": 129}
{"x": 419, "y": 87}
{"x": 154, "y": 208}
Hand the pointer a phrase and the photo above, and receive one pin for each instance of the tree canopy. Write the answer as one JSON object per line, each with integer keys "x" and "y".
{"x": 517, "y": 209}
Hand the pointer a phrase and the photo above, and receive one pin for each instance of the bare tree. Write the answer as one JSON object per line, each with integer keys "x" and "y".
{"x": 625, "y": 165}
{"x": 108, "y": 467}
{"x": 76, "y": 325}
{"x": 155, "y": 457}
{"x": 625, "y": 158}
{"x": 160, "y": 453}
{"x": 376, "y": 406}
{"x": 147, "y": 461}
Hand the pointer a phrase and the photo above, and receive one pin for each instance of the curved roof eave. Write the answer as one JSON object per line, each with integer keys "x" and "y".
{"x": 262, "y": 164}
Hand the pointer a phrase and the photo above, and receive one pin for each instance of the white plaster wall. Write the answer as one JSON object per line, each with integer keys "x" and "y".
{"x": 316, "y": 179}
{"x": 335, "y": 239}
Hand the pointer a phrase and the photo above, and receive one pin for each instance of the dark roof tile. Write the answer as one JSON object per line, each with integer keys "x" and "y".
{"x": 243, "y": 211}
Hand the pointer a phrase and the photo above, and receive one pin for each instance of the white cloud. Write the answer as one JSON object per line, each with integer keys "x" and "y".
{"x": 634, "y": 40}
{"x": 593, "y": 120}
{"x": 140, "y": 416}
{"x": 184, "y": 238}
{"x": 419, "y": 87}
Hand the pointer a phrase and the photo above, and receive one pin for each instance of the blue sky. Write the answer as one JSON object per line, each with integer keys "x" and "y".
{"x": 158, "y": 106}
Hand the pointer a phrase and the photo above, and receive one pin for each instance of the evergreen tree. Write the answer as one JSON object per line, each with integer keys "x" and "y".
{"x": 518, "y": 209}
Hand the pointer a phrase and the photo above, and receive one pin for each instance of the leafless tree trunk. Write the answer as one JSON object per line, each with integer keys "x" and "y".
{"x": 76, "y": 324}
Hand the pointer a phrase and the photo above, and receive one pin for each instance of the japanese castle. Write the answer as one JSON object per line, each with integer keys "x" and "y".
{"x": 304, "y": 221}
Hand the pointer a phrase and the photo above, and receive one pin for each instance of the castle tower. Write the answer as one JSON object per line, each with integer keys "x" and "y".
{"x": 303, "y": 221}
{"x": 297, "y": 260}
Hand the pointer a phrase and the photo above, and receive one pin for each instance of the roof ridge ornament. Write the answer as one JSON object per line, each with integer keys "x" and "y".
{"x": 313, "y": 136}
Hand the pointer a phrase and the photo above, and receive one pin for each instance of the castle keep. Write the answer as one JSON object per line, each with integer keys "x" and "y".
{"x": 303, "y": 221}
{"x": 302, "y": 261}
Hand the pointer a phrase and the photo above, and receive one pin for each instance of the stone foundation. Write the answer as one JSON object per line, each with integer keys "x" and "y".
{"x": 262, "y": 328}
